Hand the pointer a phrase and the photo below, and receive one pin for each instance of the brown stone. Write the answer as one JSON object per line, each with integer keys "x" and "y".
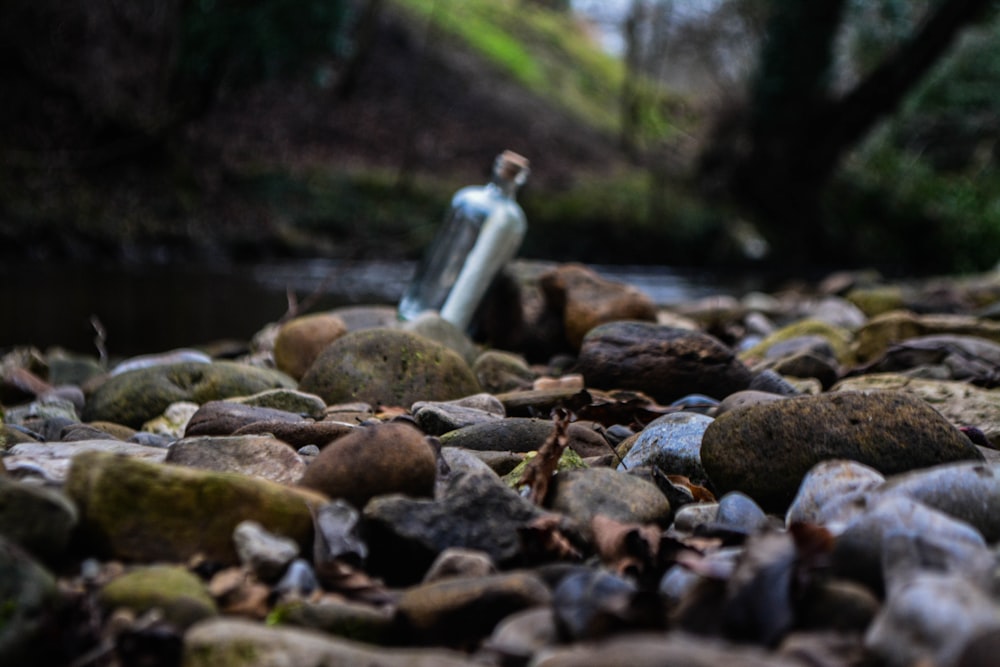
{"x": 663, "y": 362}
{"x": 372, "y": 461}
{"x": 300, "y": 340}
{"x": 589, "y": 300}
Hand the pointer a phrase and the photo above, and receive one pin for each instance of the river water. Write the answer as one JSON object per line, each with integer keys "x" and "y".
{"x": 146, "y": 309}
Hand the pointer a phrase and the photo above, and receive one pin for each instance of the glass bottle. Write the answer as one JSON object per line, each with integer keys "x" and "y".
{"x": 482, "y": 231}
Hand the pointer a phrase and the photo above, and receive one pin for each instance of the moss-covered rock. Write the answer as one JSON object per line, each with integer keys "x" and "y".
{"x": 388, "y": 367}
{"x": 877, "y": 299}
{"x": 176, "y": 592}
{"x": 140, "y": 511}
{"x": 765, "y": 450}
{"x": 873, "y": 339}
{"x": 839, "y": 339}
{"x": 135, "y": 397}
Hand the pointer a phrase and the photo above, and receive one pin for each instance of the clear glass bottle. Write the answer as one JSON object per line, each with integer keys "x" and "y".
{"x": 481, "y": 233}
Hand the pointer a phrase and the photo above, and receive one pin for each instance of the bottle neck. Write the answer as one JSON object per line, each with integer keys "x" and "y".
{"x": 506, "y": 187}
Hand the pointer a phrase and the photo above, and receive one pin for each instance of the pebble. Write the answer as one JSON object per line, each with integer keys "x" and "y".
{"x": 348, "y": 475}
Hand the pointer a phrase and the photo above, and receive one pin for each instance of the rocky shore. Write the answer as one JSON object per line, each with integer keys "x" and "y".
{"x": 808, "y": 477}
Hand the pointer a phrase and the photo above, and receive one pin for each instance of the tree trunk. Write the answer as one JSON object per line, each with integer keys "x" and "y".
{"x": 775, "y": 157}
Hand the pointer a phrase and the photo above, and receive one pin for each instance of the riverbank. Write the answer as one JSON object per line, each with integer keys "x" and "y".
{"x": 786, "y": 476}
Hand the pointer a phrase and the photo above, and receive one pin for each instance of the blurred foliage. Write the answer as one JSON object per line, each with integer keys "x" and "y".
{"x": 548, "y": 52}
{"x": 240, "y": 42}
{"x": 924, "y": 190}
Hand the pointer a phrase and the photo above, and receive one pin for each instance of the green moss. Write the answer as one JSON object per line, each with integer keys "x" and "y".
{"x": 839, "y": 339}
{"x": 569, "y": 460}
{"x": 233, "y": 654}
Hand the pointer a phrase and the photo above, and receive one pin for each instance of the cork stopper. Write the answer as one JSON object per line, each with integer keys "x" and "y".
{"x": 511, "y": 166}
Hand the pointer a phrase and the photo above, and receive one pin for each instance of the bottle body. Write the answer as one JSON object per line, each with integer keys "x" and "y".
{"x": 482, "y": 231}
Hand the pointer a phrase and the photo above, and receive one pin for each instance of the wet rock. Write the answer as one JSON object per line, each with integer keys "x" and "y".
{"x": 803, "y": 365}
{"x": 237, "y": 643}
{"x": 961, "y": 403}
{"x": 809, "y": 336}
{"x": 594, "y": 603}
{"x": 388, "y": 367}
{"x": 170, "y": 357}
{"x": 438, "y": 418}
{"x": 175, "y": 592}
{"x": 340, "y": 618}
{"x": 738, "y": 513}
{"x": 477, "y": 511}
{"x": 767, "y": 380}
{"x": 941, "y": 543}
{"x": 299, "y": 580}
{"x": 873, "y": 339}
{"x": 583, "y": 494}
{"x": 930, "y": 617}
{"x": 227, "y": 417}
{"x": 140, "y": 511}
{"x": 38, "y": 519}
{"x": 372, "y": 461}
{"x": 829, "y": 490}
{"x": 742, "y": 399}
{"x": 299, "y": 433}
{"x": 265, "y": 553}
{"x": 969, "y": 492}
{"x": 587, "y": 300}
{"x": 672, "y": 443}
{"x": 690, "y": 517}
{"x": 662, "y": 362}
{"x": 499, "y": 371}
{"x": 137, "y": 396}
{"x": 459, "y": 611}
{"x": 255, "y": 455}
{"x": 286, "y": 400}
{"x": 513, "y": 434}
{"x": 458, "y": 562}
{"x": 965, "y": 358}
{"x": 300, "y": 340}
{"x": 30, "y": 599}
{"x": 766, "y": 450}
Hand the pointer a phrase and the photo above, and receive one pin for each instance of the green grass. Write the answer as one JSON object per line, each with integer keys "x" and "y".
{"x": 545, "y": 51}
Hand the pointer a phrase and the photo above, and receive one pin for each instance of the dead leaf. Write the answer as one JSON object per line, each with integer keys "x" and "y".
{"x": 698, "y": 492}
{"x": 627, "y": 548}
{"x": 338, "y": 576}
{"x": 238, "y": 593}
{"x": 545, "y": 537}
{"x": 539, "y": 470}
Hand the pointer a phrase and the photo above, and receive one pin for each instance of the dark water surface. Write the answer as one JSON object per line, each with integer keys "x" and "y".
{"x": 157, "y": 308}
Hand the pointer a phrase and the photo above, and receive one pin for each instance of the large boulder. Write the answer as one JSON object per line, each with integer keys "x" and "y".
{"x": 765, "y": 450}
{"x": 388, "y": 367}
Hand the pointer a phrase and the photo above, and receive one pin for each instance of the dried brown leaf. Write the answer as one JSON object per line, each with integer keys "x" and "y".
{"x": 341, "y": 577}
{"x": 544, "y": 536}
{"x": 698, "y": 492}
{"x": 626, "y": 547}
{"x": 539, "y": 470}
